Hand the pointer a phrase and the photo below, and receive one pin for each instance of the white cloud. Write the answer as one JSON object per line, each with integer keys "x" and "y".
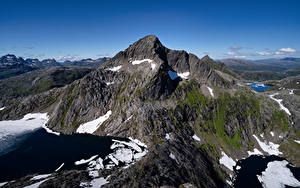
{"x": 240, "y": 56}
{"x": 236, "y": 53}
{"x": 263, "y": 53}
{"x": 287, "y": 50}
{"x": 230, "y": 53}
{"x": 67, "y": 58}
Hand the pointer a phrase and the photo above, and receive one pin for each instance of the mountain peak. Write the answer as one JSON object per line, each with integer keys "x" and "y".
{"x": 145, "y": 47}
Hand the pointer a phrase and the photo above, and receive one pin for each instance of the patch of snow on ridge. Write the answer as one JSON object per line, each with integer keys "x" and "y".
{"x": 270, "y": 148}
{"x": 279, "y": 101}
{"x": 128, "y": 118}
{"x": 184, "y": 75}
{"x": 172, "y": 156}
{"x": 195, "y": 137}
{"x": 254, "y": 152}
{"x": 167, "y": 136}
{"x": 227, "y": 161}
{"x": 83, "y": 161}
{"x": 229, "y": 182}
{"x": 153, "y": 66}
{"x": 109, "y": 83}
{"x": 297, "y": 141}
{"x": 92, "y": 126}
{"x": 277, "y": 175}
{"x": 2, "y": 108}
{"x": 115, "y": 69}
{"x": 272, "y": 133}
{"x": 210, "y": 91}
{"x": 137, "y": 62}
{"x": 29, "y": 122}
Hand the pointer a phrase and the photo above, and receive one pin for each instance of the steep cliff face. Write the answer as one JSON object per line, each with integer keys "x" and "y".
{"x": 165, "y": 98}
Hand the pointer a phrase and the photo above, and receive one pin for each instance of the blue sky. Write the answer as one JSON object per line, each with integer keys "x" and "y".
{"x": 65, "y": 29}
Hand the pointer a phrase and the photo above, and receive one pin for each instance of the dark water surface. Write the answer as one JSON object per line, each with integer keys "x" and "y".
{"x": 255, "y": 165}
{"x": 43, "y": 153}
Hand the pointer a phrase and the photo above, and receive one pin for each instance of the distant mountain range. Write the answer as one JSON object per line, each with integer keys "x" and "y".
{"x": 272, "y": 64}
{"x": 264, "y": 69}
{"x": 11, "y": 65}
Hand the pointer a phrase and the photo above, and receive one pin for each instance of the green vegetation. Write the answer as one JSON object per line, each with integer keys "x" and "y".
{"x": 218, "y": 116}
{"x": 69, "y": 102}
{"x": 279, "y": 120}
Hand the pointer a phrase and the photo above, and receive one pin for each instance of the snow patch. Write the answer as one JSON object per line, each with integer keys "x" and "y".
{"x": 227, "y": 161}
{"x": 291, "y": 92}
{"x": 97, "y": 182}
{"x": 137, "y": 156}
{"x": 115, "y": 69}
{"x": 172, "y": 156}
{"x": 2, "y": 183}
{"x": 128, "y": 118}
{"x": 270, "y": 148}
{"x": 184, "y": 75}
{"x": 92, "y": 126}
{"x": 229, "y": 182}
{"x": 40, "y": 176}
{"x": 109, "y": 83}
{"x": 138, "y": 142}
{"x": 210, "y": 91}
{"x": 195, "y": 137}
{"x": 297, "y": 141}
{"x": 59, "y": 167}
{"x": 254, "y": 152}
{"x": 50, "y": 131}
{"x": 2, "y": 108}
{"x": 83, "y": 161}
{"x": 277, "y": 175}
{"x": 133, "y": 145}
{"x": 153, "y": 66}
{"x": 28, "y": 123}
{"x": 279, "y": 101}
{"x": 167, "y": 136}
{"x": 272, "y": 133}
{"x": 137, "y": 62}
{"x": 238, "y": 167}
{"x": 35, "y": 185}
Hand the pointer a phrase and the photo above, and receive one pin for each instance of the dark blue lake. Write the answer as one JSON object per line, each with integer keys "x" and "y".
{"x": 43, "y": 153}
{"x": 255, "y": 165}
{"x": 258, "y": 87}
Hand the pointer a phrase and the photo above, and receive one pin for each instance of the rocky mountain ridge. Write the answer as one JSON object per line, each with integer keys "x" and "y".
{"x": 165, "y": 98}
